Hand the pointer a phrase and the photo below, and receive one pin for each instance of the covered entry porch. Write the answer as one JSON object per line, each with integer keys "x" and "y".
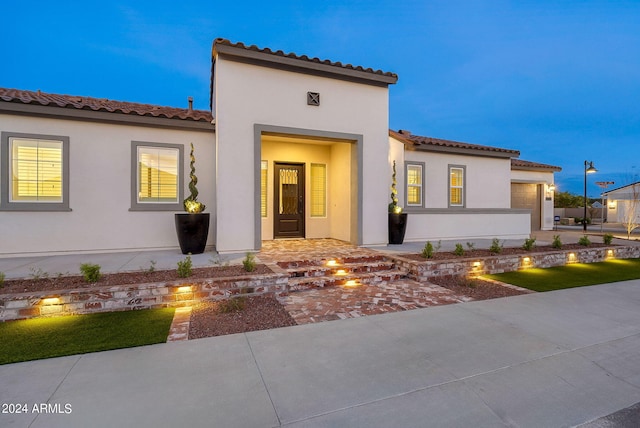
{"x": 309, "y": 184}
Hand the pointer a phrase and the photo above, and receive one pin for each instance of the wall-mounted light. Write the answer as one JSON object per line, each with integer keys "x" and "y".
{"x": 184, "y": 289}
{"x": 48, "y": 301}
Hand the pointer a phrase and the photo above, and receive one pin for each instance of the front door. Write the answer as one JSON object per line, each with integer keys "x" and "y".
{"x": 288, "y": 200}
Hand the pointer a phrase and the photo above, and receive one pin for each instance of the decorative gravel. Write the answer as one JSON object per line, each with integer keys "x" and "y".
{"x": 259, "y": 313}
{"x": 475, "y": 288}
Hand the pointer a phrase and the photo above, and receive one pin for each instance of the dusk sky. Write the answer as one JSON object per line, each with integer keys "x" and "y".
{"x": 557, "y": 80}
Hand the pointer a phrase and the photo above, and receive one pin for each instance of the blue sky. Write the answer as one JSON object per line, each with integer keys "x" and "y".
{"x": 557, "y": 80}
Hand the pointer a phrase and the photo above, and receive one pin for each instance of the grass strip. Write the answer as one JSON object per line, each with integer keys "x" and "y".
{"x": 572, "y": 275}
{"x": 40, "y": 338}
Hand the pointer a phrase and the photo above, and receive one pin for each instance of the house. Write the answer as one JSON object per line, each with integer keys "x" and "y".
{"x": 293, "y": 147}
{"x": 623, "y": 204}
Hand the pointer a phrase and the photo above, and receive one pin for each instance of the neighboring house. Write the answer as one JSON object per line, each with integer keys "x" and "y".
{"x": 293, "y": 148}
{"x": 623, "y": 204}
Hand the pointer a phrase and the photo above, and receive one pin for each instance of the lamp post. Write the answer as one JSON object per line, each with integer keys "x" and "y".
{"x": 588, "y": 169}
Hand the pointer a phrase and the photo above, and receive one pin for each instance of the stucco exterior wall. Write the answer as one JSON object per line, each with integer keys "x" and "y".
{"x": 247, "y": 95}
{"x": 100, "y": 191}
{"x": 471, "y": 224}
{"x": 487, "y": 212}
{"x": 486, "y": 183}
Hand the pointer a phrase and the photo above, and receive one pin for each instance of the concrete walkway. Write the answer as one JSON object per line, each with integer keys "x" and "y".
{"x": 554, "y": 359}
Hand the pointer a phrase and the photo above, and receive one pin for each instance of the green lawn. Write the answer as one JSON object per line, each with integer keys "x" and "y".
{"x": 573, "y": 275}
{"x": 39, "y": 338}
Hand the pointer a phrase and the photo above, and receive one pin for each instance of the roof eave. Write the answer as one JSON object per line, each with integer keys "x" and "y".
{"x": 266, "y": 59}
{"x": 57, "y": 112}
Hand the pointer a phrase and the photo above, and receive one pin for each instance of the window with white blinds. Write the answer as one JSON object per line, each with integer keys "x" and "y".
{"x": 318, "y": 199}
{"x": 34, "y": 172}
{"x": 157, "y": 176}
{"x": 263, "y": 188}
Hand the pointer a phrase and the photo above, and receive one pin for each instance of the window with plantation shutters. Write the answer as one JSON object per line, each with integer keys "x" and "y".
{"x": 263, "y": 188}
{"x": 415, "y": 184}
{"x": 456, "y": 186}
{"x": 318, "y": 199}
{"x": 34, "y": 172}
{"x": 157, "y": 171}
{"x": 157, "y": 175}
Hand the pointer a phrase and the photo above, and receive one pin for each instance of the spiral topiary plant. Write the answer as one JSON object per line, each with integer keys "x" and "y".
{"x": 393, "y": 206}
{"x": 191, "y": 204}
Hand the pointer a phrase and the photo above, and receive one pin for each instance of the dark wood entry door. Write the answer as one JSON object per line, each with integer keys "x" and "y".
{"x": 288, "y": 200}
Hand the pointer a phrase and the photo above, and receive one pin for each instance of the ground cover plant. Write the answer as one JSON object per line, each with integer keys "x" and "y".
{"x": 573, "y": 275}
{"x": 40, "y": 338}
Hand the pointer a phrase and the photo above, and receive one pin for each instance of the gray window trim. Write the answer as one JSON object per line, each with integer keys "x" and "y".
{"x": 155, "y": 206}
{"x": 464, "y": 186}
{"x": 407, "y": 164}
{"x": 5, "y": 203}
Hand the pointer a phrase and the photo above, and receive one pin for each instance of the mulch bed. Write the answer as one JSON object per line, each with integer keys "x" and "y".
{"x": 259, "y": 313}
{"x": 450, "y": 255}
{"x": 60, "y": 282}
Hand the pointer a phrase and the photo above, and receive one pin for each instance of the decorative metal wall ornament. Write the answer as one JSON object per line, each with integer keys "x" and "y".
{"x": 313, "y": 98}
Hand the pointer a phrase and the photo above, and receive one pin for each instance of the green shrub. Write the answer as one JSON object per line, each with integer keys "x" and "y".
{"x": 557, "y": 243}
{"x": 496, "y": 246}
{"x": 529, "y": 244}
{"x": 185, "y": 267}
{"x": 459, "y": 251}
{"x": 607, "y": 239}
{"x": 584, "y": 241}
{"x": 37, "y": 273}
{"x": 2, "y": 279}
{"x": 231, "y": 305}
{"x": 429, "y": 250}
{"x": 90, "y": 272}
{"x": 249, "y": 262}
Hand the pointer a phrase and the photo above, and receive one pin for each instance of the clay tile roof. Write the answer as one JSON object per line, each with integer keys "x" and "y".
{"x": 436, "y": 144}
{"x": 101, "y": 104}
{"x": 226, "y": 42}
{"x": 526, "y": 165}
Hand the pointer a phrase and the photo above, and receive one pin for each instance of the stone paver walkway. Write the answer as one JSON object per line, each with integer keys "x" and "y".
{"x": 332, "y": 303}
{"x": 310, "y": 249}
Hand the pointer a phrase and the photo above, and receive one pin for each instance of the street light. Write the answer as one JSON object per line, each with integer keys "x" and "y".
{"x": 588, "y": 169}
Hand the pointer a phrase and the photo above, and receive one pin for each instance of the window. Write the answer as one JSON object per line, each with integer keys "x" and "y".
{"x": 35, "y": 172}
{"x": 263, "y": 188}
{"x": 318, "y": 190}
{"x": 414, "y": 173}
{"x": 456, "y": 186}
{"x": 157, "y": 177}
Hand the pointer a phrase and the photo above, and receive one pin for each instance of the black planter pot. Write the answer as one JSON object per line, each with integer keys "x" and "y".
{"x": 397, "y": 227}
{"x": 192, "y": 230}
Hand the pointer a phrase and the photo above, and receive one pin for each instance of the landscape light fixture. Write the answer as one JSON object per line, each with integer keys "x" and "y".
{"x": 588, "y": 169}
